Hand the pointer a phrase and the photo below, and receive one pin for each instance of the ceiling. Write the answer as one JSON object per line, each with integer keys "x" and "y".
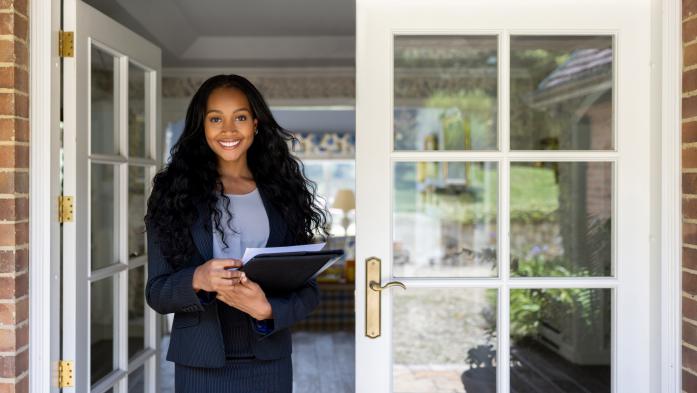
{"x": 258, "y": 33}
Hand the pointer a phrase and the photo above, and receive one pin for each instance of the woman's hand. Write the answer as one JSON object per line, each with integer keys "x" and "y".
{"x": 247, "y": 296}
{"x": 212, "y": 276}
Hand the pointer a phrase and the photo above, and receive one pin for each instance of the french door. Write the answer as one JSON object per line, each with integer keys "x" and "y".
{"x": 503, "y": 178}
{"x": 111, "y": 90}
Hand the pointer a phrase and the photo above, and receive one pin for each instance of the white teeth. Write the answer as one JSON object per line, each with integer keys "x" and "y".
{"x": 229, "y": 143}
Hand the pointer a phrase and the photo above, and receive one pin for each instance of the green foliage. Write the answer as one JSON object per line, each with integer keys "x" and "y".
{"x": 528, "y": 306}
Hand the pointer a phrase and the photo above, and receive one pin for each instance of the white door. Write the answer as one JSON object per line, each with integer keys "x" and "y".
{"x": 111, "y": 90}
{"x": 503, "y": 176}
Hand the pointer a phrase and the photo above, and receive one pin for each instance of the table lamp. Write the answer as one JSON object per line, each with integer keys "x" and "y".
{"x": 346, "y": 201}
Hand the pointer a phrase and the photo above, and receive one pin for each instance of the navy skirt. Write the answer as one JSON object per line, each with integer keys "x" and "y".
{"x": 237, "y": 376}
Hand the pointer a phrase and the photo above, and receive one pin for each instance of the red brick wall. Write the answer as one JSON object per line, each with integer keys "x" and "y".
{"x": 14, "y": 196}
{"x": 689, "y": 207}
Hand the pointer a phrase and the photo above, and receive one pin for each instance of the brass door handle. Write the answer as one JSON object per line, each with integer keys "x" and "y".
{"x": 375, "y": 286}
{"x": 373, "y": 294}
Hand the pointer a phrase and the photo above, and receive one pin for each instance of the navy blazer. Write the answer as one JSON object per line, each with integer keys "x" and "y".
{"x": 196, "y": 339}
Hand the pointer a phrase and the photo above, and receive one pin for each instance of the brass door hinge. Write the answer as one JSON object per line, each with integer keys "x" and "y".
{"x": 66, "y": 45}
{"x": 65, "y": 374}
{"x": 65, "y": 208}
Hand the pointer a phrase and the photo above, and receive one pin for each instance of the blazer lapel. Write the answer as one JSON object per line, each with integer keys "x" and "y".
{"x": 202, "y": 231}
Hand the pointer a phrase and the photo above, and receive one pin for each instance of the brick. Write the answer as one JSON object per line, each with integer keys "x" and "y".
{"x": 689, "y": 157}
{"x": 13, "y": 77}
{"x": 689, "y": 78}
{"x": 14, "y": 130}
{"x": 14, "y": 312}
{"x": 689, "y": 358}
{"x": 689, "y": 183}
{"x": 689, "y": 207}
{"x": 689, "y": 7}
{"x": 14, "y": 287}
{"x": 689, "y": 382}
{"x": 13, "y": 366}
{"x": 689, "y": 30}
{"x": 14, "y": 104}
{"x": 689, "y": 258}
{"x": 20, "y": 6}
{"x": 689, "y": 131}
{"x": 689, "y": 308}
{"x": 14, "y": 156}
{"x": 18, "y": 260}
{"x": 14, "y": 234}
{"x": 689, "y": 56}
{"x": 689, "y": 333}
{"x": 13, "y": 24}
{"x": 21, "y": 386}
{"x": 689, "y": 107}
{"x": 13, "y": 209}
{"x": 11, "y": 182}
{"x": 12, "y": 340}
{"x": 689, "y": 233}
{"x": 689, "y": 283}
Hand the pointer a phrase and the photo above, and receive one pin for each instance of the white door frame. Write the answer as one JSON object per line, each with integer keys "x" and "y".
{"x": 44, "y": 229}
{"x": 45, "y": 246}
{"x": 664, "y": 242}
{"x": 94, "y": 29}
{"x": 45, "y": 98}
{"x": 668, "y": 114}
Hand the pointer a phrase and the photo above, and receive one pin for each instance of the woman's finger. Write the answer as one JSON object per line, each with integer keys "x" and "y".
{"x": 231, "y": 274}
{"x": 225, "y": 283}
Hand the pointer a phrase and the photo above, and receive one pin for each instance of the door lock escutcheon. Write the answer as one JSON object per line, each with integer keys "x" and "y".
{"x": 373, "y": 292}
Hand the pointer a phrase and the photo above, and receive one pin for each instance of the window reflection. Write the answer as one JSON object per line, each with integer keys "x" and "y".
{"x": 445, "y": 92}
{"x": 561, "y": 93}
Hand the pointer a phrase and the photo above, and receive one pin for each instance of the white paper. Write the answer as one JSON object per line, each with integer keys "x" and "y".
{"x": 250, "y": 253}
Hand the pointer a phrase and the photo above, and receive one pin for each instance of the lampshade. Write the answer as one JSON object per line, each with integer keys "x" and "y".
{"x": 344, "y": 200}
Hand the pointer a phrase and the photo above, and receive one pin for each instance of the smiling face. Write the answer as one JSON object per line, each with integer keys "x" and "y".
{"x": 229, "y": 124}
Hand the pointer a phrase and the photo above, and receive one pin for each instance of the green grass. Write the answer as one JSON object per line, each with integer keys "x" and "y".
{"x": 533, "y": 196}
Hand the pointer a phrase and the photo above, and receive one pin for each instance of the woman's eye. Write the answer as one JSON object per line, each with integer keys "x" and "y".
{"x": 215, "y": 119}
{"x": 241, "y": 118}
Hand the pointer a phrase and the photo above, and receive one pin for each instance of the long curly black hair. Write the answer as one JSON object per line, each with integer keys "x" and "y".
{"x": 191, "y": 177}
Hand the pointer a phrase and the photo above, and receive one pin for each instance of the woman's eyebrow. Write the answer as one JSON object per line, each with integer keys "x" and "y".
{"x": 236, "y": 110}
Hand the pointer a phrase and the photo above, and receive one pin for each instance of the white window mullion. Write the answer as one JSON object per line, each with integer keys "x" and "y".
{"x": 121, "y": 313}
{"x": 504, "y": 345}
{"x": 152, "y": 319}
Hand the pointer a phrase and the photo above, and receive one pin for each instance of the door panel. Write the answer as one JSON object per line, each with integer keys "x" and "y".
{"x": 111, "y": 123}
{"x": 502, "y": 171}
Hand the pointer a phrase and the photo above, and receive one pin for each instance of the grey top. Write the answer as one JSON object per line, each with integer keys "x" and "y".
{"x": 249, "y": 220}
{"x": 251, "y": 229}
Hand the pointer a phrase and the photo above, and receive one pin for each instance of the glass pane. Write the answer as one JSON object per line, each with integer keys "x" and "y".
{"x": 103, "y": 102}
{"x": 561, "y": 93}
{"x": 136, "y": 380}
{"x": 561, "y": 219}
{"x": 445, "y": 92}
{"x": 137, "y": 140}
{"x": 136, "y": 310}
{"x": 103, "y": 216}
{"x": 444, "y": 340}
{"x": 561, "y": 340}
{"x": 334, "y": 177}
{"x": 444, "y": 221}
{"x": 103, "y": 359}
{"x": 136, "y": 211}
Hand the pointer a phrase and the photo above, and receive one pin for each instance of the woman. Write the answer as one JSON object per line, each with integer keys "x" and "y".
{"x": 231, "y": 184}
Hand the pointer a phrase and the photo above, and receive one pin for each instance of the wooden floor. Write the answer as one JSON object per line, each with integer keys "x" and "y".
{"x": 322, "y": 362}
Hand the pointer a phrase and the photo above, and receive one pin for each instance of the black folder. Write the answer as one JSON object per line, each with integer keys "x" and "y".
{"x": 285, "y": 272}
